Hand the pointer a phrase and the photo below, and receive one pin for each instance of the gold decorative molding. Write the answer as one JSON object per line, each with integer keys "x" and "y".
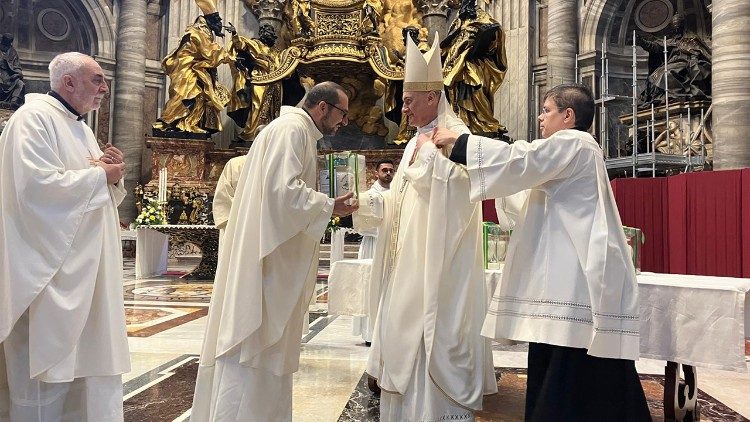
{"x": 339, "y": 4}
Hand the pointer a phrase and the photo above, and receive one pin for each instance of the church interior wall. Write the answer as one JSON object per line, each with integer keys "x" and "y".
{"x": 514, "y": 16}
{"x": 612, "y": 22}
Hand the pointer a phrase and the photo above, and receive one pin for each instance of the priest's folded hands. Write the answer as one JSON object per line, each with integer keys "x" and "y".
{"x": 112, "y": 155}
{"x": 345, "y": 205}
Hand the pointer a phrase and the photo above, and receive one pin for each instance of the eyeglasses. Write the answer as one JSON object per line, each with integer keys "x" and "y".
{"x": 546, "y": 111}
{"x": 344, "y": 112}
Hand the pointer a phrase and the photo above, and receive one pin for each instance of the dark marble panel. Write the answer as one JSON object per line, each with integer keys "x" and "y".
{"x": 150, "y": 107}
{"x": 318, "y": 324}
{"x": 153, "y": 38}
{"x": 363, "y": 405}
{"x": 165, "y": 400}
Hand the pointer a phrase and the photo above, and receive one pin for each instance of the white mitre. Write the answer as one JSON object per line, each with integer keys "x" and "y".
{"x": 424, "y": 72}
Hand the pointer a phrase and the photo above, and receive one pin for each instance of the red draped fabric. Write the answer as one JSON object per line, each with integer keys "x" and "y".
{"x": 641, "y": 203}
{"x": 745, "y": 222}
{"x": 488, "y": 211}
{"x": 693, "y": 223}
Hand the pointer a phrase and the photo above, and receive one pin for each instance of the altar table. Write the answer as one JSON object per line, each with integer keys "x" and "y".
{"x": 152, "y": 245}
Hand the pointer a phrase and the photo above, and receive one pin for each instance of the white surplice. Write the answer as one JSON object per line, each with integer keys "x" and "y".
{"x": 369, "y": 236}
{"x": 568, "y": 278}
{"x": 265, "y": 277}
{"x": 226, "y": 187}
{"x": 428, "y": 262}
{"x": 62, "y": 317}
{"x": 361, "y": 325}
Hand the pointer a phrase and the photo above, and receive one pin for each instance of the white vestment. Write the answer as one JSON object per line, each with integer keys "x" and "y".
{"x": 568, "y": 277}
{"x": 361, "y": 325}
{"x": 224, "y": 193}
{"x": 265, "y": 277}
{"x": 62, "y": 319}
{"x": 429, "y": 262}
{"x": 367, "y": 247}
{"x": 225, "y": 190}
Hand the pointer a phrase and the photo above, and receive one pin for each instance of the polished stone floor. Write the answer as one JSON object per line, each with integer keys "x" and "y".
{"x": 166, "y": 320}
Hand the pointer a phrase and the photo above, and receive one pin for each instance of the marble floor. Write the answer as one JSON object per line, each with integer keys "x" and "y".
{"x": 166, "y": 319}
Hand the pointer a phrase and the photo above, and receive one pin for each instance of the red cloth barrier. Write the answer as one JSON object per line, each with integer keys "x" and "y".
{"x": 693, "y": 223}
{"x": 641, "y": 203}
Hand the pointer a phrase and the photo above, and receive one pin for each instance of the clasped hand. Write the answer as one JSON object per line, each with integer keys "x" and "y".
{"x": 112, "y": 161}
{"x": 345, "y": 205}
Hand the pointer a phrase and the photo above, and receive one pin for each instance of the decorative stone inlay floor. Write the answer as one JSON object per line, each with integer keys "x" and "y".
{"x": 166, "y": 325}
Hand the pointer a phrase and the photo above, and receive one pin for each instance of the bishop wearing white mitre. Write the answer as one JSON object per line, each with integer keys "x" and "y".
{"x": 427, "y": 354}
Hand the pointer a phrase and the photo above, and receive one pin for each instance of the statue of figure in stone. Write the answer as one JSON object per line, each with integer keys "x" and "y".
{"x": 12, "y": 86}
{"x": 195, "y": 96}
{"x": 475, "y": 64}
{"x": 688, "y": 69}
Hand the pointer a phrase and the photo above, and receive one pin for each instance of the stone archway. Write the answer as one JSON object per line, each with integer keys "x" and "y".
{"x": 103, "y": 26}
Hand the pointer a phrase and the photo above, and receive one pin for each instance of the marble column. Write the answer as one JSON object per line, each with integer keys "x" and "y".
{"x": 562, "y": 42}
{"x": 129, "y": 87}
{"x": 434, "y": 17}
{"x": 730, "y": 80}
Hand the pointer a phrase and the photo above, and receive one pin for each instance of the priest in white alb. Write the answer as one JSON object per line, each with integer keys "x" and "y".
{"x": 384, "y": 171}
{"x": 568, "y": 286}
{"x": 268, "y": 266}
{"x": 362, "y": 325}
{"x": 63, "y": 343}
{"x": 226, "y": 188}
{"x": 427, "y": 354}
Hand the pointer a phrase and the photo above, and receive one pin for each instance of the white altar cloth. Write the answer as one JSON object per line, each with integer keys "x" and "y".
{"x": 348, "y": 284}
{"x": 688, "y": 319}
{"x": 151, "y": 248}
{"x": 695, "y": 320}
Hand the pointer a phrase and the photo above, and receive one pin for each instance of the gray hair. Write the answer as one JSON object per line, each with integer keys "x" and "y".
{"x": 324, "y": 91}
{"x": 65, "y": 64}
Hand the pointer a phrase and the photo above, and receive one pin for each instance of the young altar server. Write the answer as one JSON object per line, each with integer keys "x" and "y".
{"x": 568, "y": 287}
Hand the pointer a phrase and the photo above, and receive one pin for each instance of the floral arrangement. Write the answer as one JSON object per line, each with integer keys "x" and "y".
{"x": 334, "y": 224}
{"x": 151, "y": 214}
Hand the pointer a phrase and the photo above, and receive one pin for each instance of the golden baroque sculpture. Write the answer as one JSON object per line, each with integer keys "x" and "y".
{"x": 195, "y": 97}
{"x": 474, "y": 64}
{"x": 299, "y": 16}
{"x": 252, "y": 103}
